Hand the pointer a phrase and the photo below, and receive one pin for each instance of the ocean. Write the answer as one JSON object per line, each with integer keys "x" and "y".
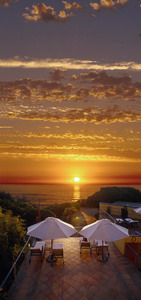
{"x": 46, "y": 194}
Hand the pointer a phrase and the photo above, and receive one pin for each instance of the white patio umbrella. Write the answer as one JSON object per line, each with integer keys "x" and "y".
{"x": 138, "y": 210}
{"x": 104, "y": 230}
{"x": 51, "y": 228}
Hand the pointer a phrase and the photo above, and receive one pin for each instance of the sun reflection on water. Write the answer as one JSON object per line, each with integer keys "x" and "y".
{"x": 76, "y": 192}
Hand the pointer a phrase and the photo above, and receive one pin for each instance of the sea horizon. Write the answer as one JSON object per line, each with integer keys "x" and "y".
{"x": 55, "y": 193}
{"x": 72, "y": 183}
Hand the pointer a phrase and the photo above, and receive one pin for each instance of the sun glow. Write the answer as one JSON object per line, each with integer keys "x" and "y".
{"x": 76, "y": 179}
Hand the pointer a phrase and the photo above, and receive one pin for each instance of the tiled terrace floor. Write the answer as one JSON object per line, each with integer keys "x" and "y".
{"x": 82, "y": 277}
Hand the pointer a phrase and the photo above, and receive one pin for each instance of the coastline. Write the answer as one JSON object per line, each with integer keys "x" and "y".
{"x": 46, "y": 195}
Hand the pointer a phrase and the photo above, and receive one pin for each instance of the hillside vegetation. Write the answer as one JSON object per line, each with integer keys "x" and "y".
{"x": 112, "y": 194}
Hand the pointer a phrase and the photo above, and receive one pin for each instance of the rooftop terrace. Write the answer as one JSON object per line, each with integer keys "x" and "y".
{"x": 82, "y": 277}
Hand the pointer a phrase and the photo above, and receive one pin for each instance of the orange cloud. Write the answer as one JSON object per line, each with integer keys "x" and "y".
{"x": 73, "y": 5}
{"x": 94, "y": 147}
{"x": 97, "y": 138}
{"x": 67, "y": 63}
{"x": 6, "y": 127}
{"x": 42, "y": 12}
{"x": 108, "y": 4}
{"x": 70, "y": 157}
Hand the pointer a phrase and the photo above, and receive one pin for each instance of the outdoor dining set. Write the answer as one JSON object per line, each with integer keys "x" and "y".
{"x": 41, "y": 247}
{"x": 94, "y": 237}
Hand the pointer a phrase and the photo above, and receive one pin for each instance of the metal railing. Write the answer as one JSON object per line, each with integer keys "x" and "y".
{"x": 13, "y": 271}
{"x": 105, "y": 214}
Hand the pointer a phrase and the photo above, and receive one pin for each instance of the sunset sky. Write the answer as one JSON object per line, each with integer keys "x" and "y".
{"x": 70, "y": 91}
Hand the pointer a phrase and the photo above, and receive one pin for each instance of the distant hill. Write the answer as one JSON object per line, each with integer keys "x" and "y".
{"x": 112, "y": 194}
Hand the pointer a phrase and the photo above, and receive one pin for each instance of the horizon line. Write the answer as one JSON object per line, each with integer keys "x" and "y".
{"x": 74, "y": 183}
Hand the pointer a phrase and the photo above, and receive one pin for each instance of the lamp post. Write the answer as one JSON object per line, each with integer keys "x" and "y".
{"x": 38, "y": 217}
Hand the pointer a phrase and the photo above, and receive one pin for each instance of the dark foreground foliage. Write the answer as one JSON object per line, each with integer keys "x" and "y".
{"x": 15, "y": 217}
{"x": 12, "y": 239}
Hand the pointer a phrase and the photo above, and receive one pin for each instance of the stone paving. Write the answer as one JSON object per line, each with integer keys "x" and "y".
{"x": 82, "y": 277}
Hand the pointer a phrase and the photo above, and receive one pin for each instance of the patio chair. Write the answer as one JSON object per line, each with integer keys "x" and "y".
{"x": 58, "y": 250}
{"x": 85, "y": 244}
{"x": 93, "y": 246}
{"x": 38, "y": 250}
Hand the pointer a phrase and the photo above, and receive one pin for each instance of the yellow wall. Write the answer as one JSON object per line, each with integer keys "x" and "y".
{"x": 120, "y": 244}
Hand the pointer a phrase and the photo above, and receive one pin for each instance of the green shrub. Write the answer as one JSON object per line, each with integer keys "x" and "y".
{"x": 27, "y": 211}
{"x": 68, "y": 213}
{"x": 12, "y": 238}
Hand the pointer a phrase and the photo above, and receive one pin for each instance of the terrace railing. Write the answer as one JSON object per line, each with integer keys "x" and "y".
{"x": 106, "y": 215}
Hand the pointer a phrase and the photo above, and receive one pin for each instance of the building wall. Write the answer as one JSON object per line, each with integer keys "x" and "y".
{"x": 120, "y": 244}
{"x": 116, "y": 210}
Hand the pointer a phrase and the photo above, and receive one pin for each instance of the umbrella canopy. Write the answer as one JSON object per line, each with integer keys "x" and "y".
{"x": 138, "y": 210}
{"x": 104, "y": 230}
{"x": 51, "y": 228}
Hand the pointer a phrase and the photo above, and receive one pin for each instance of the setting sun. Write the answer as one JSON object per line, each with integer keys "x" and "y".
{"x": 63, "y": 112}
{"x": 76, "y": 179}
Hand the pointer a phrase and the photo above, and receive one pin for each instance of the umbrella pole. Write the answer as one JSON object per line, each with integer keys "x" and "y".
{"x": 51, "y": 244}
{"x": 102, "y": 252}
{"x": 52, "y": 250}
{"x": 51, "y": 258}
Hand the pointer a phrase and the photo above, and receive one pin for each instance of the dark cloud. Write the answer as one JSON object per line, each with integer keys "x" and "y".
{"x": 42, "y": 12}
{"x": 93, "y": 114}
{"x": 107, "y": 115}
{"x": 57, "y": 74}
{"x": 96, "y": 85}
{"x": 107, "y": 86}
{"x": 35, "y": 90}
{"x": 116, "y": 91}
{"x": 6, "y": 3}
{"x": 102, "y": 78}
